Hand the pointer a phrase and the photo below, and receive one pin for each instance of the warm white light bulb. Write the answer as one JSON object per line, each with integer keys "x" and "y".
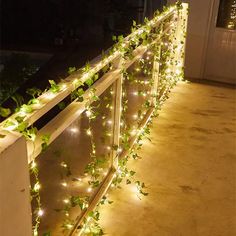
{"x": 40, "y": 212}
{"x": 64, "y": 184}
{"x": 88, "y": 113}
{"x": 66, "y": 201}
{"x": 89, "y": 133}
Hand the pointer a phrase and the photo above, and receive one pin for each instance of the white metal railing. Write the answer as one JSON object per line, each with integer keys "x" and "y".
{"x": 16, "y": 153}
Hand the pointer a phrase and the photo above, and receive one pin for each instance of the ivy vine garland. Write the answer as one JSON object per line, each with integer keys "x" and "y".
{"x": 141, "y": 36}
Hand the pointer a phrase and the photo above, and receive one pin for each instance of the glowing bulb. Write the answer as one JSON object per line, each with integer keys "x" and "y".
{"x": 135, "y": 116}
{"x": 69, "y": 226}
{"x": 63, "y": 86}
{"x": 63, "y": 164}
{"x": 40, "y": 212}
{"x": 109, "y": 122}
{"x": 135, "y": 93}
{"x": 133, "y": 132}
{"x": 64, "y": 184}
{"x": 89, "y": 190}
{"x": 33, "y": 165}
{"x": 89, "y": 133}
{"x": 37, "y": 186}
{"x": 88, "y": 113}
{"x": 108, "y": 148}
{"x": 66, "y": 201}
{"x": 74, "y": 130}
{"x": 49, "y": 95}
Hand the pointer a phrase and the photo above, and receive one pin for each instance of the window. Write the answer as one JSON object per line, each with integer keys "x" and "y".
{"x": 227, "y": 14}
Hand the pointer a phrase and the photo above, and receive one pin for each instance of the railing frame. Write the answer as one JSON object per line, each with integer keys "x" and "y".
{"x": 56, "y": 126}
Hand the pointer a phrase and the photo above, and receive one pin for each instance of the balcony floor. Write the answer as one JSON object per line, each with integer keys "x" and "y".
{"x": 189, "y": 169}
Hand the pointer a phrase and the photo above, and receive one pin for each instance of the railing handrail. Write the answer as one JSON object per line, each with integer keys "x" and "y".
{"x": 48, "y": 99}
{"x": 31, "y": 148}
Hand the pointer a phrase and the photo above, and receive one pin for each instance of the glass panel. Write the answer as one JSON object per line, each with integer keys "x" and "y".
{"x": 136, "y": 96}
{"x": 227, "y": 14}
{"x": 65, "y": 168}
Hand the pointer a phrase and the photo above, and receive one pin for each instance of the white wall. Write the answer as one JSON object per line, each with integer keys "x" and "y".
{"x": 197, "y": 33}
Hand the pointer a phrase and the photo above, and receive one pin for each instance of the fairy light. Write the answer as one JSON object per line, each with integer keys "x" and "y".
{"x": 63, "y": 164}
{"x": 33, "y": 164}
{"x": 64, "y": 184}
{"x": 40, "y": 212}
{"x": 133, "y": 132}
{"x": 89, "y": 189}
{"x": 88, "y": 113}
{"x": 135, "y": 93}
{"x": 37, "y": 186}
{"x": 89, "y": 132}
{"x": 66, "y": 201}
{"x": 109, "y": 122}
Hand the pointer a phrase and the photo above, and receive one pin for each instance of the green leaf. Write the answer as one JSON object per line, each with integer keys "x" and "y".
{"x": 45, "y": 139}
{"x": 54, "y": 87}
{"x": 47, "y": 234}
{"x": 71, "y": 70}
{"x": 89, "y": 82}
{"x": 4, "y": 112}
{"x": 26, "y": 108}
{"x": 34, "y": 92}
{"x": 2, "y": 136}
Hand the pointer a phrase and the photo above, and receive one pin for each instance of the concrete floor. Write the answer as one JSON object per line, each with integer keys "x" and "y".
{"x": 189, "y": 169}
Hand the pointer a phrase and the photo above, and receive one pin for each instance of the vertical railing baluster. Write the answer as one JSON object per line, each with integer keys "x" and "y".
{"x": 155, "y": 71}
{"x": 117, "y": 117}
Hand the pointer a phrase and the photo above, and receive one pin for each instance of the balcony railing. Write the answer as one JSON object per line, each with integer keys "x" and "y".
{"x": 71, "y": 161}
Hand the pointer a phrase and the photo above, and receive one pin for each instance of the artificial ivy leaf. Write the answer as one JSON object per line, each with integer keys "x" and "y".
{"x": 54, "y": 87}
{"x": 71, "y": 70}
{"x": 89, "y": 82}
{"x": 4, "y": 112}
{"x": 26, "y": 108}
{"x": 132, "y": 173}
{"x": 45, "y": 139}
{"x": 34, "y": 92}
{"x": 61, "y": 105}
{"x": 128, "y": 181}
{"x": 47, "y": 234}
{"x": 2, "y": 135}
{"x": 22, "y": 127}
{"x": 33, "y": 101}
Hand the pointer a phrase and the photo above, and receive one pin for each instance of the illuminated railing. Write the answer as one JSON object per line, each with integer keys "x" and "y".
{"x": 153, "y": 55}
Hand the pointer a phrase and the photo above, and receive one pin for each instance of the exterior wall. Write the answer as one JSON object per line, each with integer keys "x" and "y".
{"x": 197, "y": 36}
{"x": 15, "y": 209}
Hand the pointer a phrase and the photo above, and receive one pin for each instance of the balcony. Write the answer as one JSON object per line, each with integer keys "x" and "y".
{"x": 61, "y": 171}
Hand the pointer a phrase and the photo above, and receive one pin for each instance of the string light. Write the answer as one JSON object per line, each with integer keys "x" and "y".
{"x": 40, "y": 212}
{"x": 89, "y": 132}
{"x": 64, "y": 184}
{"x": 66, "y": 201}
{"x": 89, "y": 190}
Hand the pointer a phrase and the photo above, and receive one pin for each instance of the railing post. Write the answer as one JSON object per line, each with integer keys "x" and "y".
{"x": 155, "y": 71}
{"x": 15, "y": 204}
{"x": 117, "y": 117}
{"x": 180, "y": 40}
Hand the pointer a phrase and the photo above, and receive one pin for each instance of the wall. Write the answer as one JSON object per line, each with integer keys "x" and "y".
{"x": 197, "y": 33}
